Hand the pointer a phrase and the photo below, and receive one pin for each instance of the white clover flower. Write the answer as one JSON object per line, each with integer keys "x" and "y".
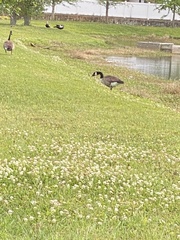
{"x": 10, "y": 212}
{"x": 54, "y": 220}
{"x": 124, "y": 217}
{"x": 61, "y": 213}
{"x": 99, "y": 223}
{"x": 99, "y": 204}
{"x": 33, "y": 202}
{"x": 109, "y": 209}
{"x": 6, "y": 202}
{"x": 52, "y": 209}
{"x": 116, "y": 209}
{"x": 31, "y": 218}
{"x": 55, "y": 202}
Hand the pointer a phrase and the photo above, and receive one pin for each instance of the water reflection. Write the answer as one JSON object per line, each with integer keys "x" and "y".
{"x": 164, "y": 67}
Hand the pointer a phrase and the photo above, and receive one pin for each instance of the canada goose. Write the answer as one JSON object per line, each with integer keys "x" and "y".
{"x": 59, "y": 26}
{"x": 8, "y": 45}
{"x": 47, "y": 25}
{"x": 109, "y": 81}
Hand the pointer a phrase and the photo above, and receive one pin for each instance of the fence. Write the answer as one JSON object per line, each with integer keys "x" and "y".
{"x": 123, "y": 10}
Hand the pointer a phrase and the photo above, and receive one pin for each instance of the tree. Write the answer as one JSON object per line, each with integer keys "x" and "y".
{"x": 171, "y": 5}
{"x": 53, "y": 3}
{"x": 11, "y": 8}
{"x": 107, "y": 4}
{"x": 30, "y": 8}
{"x": 22, "y": 8}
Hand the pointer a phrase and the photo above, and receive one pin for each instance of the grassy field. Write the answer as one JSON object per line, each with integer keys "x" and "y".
{"x": 78, "y": 161}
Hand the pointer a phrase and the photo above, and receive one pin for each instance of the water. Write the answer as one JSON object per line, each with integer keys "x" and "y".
{"x": 164, "y": 67}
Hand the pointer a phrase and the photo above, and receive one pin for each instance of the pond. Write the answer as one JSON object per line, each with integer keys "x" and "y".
{"x": 164, "y": 67}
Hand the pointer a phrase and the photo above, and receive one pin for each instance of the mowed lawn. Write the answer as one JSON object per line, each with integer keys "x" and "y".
{"x": 78, "y": 161}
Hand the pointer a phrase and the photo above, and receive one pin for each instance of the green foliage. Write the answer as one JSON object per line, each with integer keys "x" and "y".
{"x": 22, "y": 8}
{"x": 110, "y": 3}
{"x": 171, "y": 5}
{"x": 77, "y": 160}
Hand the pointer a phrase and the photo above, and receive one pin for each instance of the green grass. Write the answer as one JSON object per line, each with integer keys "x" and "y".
{"x": 77, "y": 160}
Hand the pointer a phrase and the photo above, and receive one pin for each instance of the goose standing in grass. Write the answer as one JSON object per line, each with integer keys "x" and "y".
{"x": 47, "y": 25}
{"x": 8, "y": 45}
{"x": 109, "y": 81}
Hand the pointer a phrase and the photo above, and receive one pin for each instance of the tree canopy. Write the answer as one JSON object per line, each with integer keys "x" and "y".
{"x": 171, "y": 5}
{"x": 22, "y": 8}
{"x": 27, "y": 8}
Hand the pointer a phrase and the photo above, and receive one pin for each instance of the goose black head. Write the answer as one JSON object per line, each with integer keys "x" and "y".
{"x": 97, "y": 73}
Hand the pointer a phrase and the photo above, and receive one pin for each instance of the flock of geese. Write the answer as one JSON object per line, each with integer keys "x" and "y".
{"x": 59, "y": 26}
{"x": 109, "y": 81}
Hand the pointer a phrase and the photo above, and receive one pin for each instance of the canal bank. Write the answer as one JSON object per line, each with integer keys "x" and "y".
{"x": 168, "y": 47}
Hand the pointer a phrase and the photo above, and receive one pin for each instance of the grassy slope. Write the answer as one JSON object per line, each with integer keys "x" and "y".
{"x": 54, "y": 116}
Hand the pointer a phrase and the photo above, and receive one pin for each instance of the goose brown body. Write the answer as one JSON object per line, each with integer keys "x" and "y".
{"x": 109, "y": 81}
{"x": 8, "y": 45}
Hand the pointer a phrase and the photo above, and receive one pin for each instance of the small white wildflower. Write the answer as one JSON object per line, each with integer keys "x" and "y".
{"x": 116, "y": 209}
{"x": 33, "y": 202}
{"x": 31, "y": 218}
{"x": 61, "y": 212}
{"x": 52, "y": 209}
{"x": 54, "y": 220}
{"x": 124, "y": 217}
{"x": 99, "y": 223}
{"x": 10, "y": 212}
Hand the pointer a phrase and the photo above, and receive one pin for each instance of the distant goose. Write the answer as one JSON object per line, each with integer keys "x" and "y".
{"x": 8, "y": 45}
{"x": 47, "y": 25}
{"x": 59, "y": 26}
{"x": 109, "y": 81}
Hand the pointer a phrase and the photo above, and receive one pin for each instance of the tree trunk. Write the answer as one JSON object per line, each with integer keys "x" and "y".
{"x": 107, "y": 10}
{"x": 174, "y": 14}
{"x": 53, "y": 10}
{"x": 27, "y": 20}
{"x": 13, "y": 19}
